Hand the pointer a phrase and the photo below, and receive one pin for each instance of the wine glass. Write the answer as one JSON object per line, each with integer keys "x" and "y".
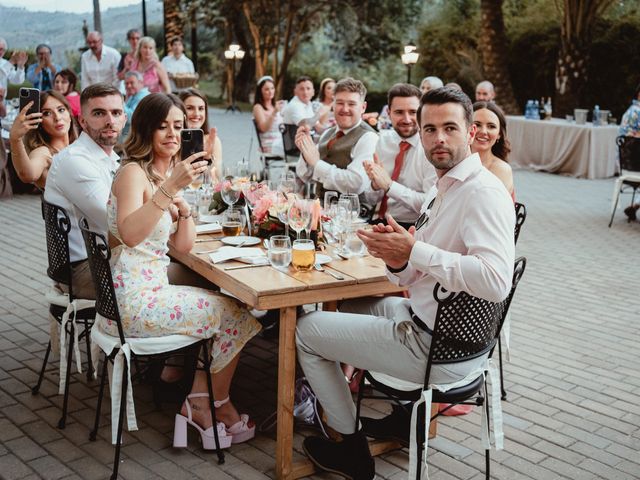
{"x": 287, "y": 183}
{"x": 299, "y": 215}
{"x": 230, "y": 192}
{"x": 354, "y": 203}
{"x": 341, "y": 220}
{"x": 233, "y": 222}
{"x": 282, "y": 204}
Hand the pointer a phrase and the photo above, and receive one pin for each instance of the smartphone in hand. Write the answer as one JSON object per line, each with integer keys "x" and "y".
{"x": 30, "y": 95}
{"x": 192, "y": 142}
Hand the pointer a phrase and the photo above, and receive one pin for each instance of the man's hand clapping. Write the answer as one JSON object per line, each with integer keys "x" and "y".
{"x": 307, "y": 148}
{"x": 391, "y": 243}
{"x": 380, "y": 179}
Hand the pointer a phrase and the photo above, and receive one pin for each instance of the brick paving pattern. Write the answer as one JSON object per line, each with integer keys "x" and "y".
{"x": 573, "y": 381}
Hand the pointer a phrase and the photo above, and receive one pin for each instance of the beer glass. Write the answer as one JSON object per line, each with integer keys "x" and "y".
{"x": 233, "y": 222}
{"x": 303, "y": 255}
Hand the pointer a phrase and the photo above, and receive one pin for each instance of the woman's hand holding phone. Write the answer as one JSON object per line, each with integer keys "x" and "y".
{"x": 186, "y": 171}
{"x": 25, "y": 122}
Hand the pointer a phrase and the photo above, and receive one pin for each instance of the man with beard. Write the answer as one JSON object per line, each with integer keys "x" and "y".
{"x": 336, "y": 163}
{"x": 464, "y": 241}
{"x": 99, "y": 64}
{"x": 80, "y": 176}
{"x": 400, "y": 175}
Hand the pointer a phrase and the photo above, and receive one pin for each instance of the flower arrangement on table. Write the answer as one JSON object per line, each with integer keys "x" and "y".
{"x": 218, "y": 205}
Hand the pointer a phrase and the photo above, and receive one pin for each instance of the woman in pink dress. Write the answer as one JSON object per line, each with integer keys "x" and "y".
{"x": 154, "y": 75}
{"x": 65, "y": 82}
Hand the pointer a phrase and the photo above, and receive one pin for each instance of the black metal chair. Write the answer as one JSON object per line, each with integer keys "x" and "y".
{"x": 465, "y": 328}
{"x": 107, "y": 307}
{"x": 289, "y": 140}
{"x": 65, "y": 308}
{"x": 266, "y": 157}
{"x": 629, "y": 152}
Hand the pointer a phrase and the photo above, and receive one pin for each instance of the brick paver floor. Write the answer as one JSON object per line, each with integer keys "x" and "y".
{"x": 573, "y": 381}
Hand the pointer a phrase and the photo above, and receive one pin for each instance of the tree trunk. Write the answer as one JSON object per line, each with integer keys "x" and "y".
{"x": 97, "y": 16}
{"x": 493, "y": 47}
{"x": 173, "y": 22}
{"x": 571, "y": 76}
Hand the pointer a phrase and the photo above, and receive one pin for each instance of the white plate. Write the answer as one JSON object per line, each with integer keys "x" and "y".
{"x": 208, "y": 228}
{"x": 209, "y": 218}
{"x": 321, "y": 258}
{"x": 245, "y": 240}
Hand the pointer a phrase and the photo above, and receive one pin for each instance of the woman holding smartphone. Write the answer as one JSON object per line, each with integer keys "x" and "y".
{"x": 198, "y": 117}
{"x": 144, "y": 211}
{"x": 36, "y": 137}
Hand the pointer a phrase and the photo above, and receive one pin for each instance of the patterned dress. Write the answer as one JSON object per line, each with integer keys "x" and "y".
{"x": 150, "y": 306}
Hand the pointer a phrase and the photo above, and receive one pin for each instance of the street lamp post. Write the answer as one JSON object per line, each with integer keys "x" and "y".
{"x": 409, "y": 58}
{"x": 233, "y": 53}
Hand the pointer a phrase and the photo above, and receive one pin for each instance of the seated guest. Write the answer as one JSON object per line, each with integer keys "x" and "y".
{"x": 400, "y": 176}
{"x": 300, "y": 107}
{"x": 195, "y": 102}
{"x": 65, "y": 83}
{"x": 12, "y": 70}
{"x": 133, "y": 37}
{"x": 136, "y": 91}
{"x": 41, "y": 74}
{"x": 485, "y": 92}
{"x": 491, "y": 142}
{"x": 146, "y": 62}
{"x": 430, "y": 83}
{"x": 324, "y": 103}
{"x": 266, "y": 113}
{"x": 80, "y": 175}
{"x": 177, "y": 62}
{"x": 454, "y": 85}
{"x": 336, "y": 163}
{"x": 467, "y": 245}
{"x": 145, "y": 210}
{"x": 630, "y": 123}
{"x": 99, "y": 64}
{"x": 35, "y": 138}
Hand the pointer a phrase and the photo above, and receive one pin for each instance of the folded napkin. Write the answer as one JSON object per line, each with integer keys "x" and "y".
{"x": 248, "y": 255}
{"x": 209, "y": 228}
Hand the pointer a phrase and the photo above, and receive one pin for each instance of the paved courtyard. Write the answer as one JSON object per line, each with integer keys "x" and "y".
{"x": 573, "y": 408}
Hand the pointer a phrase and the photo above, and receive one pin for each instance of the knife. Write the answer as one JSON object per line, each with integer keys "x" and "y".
{"x": 237, "y": 267}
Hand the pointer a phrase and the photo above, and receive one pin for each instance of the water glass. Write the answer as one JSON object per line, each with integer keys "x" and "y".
{"x": 354, "y": 203}
{"x": 330, "y": 199}
{"x": 279, "y": 251}
{"x": 204, "y": 201}
{"x": 233, "y": 222}
{"x": 353, "y": 246}
{"x": 303, "y": 255}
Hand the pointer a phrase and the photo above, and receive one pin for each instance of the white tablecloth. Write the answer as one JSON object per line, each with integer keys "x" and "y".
{"x": 558, "y": 146}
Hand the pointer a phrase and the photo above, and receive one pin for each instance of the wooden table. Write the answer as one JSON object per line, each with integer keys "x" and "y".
{"x": 266, "y": 288}
{"x": 559, "y": 146}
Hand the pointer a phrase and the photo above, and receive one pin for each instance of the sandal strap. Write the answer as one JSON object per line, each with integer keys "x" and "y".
{"x": 219, "y": 403}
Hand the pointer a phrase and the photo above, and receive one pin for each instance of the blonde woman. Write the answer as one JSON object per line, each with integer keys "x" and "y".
{"x": 154, "y": 75}
{"x": 145, "y": 210}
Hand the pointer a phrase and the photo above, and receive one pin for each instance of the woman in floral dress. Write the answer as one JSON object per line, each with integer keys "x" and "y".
{"x": 145, "y": 210}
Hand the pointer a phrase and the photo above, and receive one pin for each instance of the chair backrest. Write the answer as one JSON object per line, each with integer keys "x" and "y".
{"x": 467, "y": 327}
{"x": 57, "y": 226}
{"x": 255, "y": 125}
{"x": 629, "y": 149}
{"x": 98, "y": 253}
{"x": 289, "y": 139}
{"x": 521, "y": 216}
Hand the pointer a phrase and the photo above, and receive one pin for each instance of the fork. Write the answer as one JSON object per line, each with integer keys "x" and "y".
{"x": 320, "y": 268}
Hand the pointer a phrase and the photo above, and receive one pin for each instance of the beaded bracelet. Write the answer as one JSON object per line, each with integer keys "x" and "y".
{"x": 155, "y": 202}
{"x": 165, "y": 193}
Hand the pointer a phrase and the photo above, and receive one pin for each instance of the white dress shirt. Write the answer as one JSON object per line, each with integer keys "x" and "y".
{"x": 343, "y": 180}
{"x": 410, "y": 191}
{"x": 466, "y": 245}
{"x": 296, "y": 110}
{"x": 105, "y": 70}
{"x": 10, "y": 74}
{"x": 79, "y": 180}
{"x": 175, "y": 65}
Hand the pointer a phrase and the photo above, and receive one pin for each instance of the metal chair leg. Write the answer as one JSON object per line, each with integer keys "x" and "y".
{"x": 207, "y": 368}
{"x": 94, "y": 432}
{"x": 87, "y": 338}
{"x": 36, "y": 389}
{"x": 502, "y": 390}
{"x": 65, "y": 402}
{"x": 123, "y": 406}
{"x": 487, "y": 452}
{"x": 615, "y": 205}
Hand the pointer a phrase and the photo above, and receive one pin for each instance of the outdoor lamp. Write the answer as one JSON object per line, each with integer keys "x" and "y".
{"x": 410, "y": 58}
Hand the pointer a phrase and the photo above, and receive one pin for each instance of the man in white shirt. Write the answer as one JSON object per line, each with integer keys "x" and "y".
{"x": 336, "y": 163}
{"x": 400, "y": 177}
{"x": 12, "y": 70}
{"x": 100, "y": 63}
{"x": 80, "y": 176}
{"x": 299, "y": 107}
{"x": 177, "y": 62}
{"x": 485, "y": 92}
{"x": 465, "y": 242}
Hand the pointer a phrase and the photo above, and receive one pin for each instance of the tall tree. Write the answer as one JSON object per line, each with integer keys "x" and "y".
{"x": 578, "y": 20}
{"x": 173, "y": 21}
{"x": 97, "y": 16}
{"x": 493, "y": 48}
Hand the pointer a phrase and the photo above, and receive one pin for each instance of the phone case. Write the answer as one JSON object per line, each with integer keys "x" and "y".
{"x": 192, "y": 142}
{"x": 27, "y": 95}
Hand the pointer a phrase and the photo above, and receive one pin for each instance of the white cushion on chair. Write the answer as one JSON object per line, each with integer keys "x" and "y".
{"x": 139, "y": 346}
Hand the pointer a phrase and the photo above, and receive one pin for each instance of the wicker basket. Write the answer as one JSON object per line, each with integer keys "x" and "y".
{"x": 185, "y": 80}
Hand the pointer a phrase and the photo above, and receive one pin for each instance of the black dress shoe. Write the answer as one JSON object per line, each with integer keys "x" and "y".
{"x": 349, "y": 458}
{"x": 396, "y": 426}
{"x": 631, "y": 212}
